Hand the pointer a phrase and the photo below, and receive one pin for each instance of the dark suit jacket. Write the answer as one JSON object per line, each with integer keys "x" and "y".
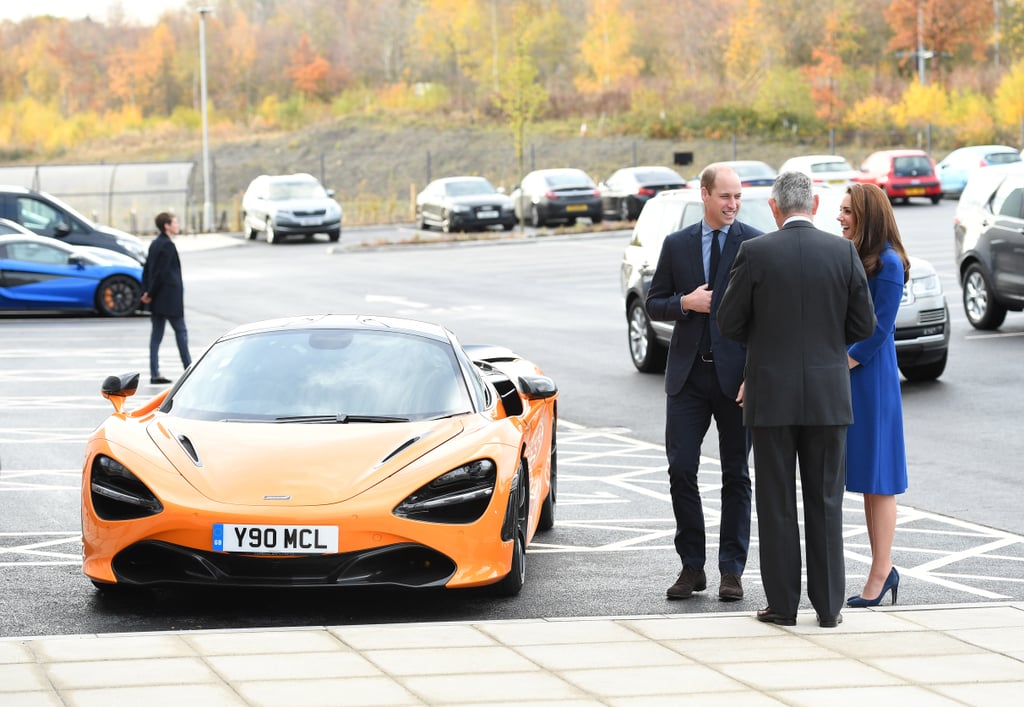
{"x": 161, "y": 278}
{"x": 797, "y": 297}
{"x": 680, "y": 271}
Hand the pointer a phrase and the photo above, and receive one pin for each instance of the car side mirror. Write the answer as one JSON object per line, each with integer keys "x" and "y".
{"x": 330, "y": 193}
{"x": 61, "y": 229}
{"x": 500, "y": 190}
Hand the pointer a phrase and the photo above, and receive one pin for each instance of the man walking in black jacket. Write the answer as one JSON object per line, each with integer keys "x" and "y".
{"x": 165, "y": 295}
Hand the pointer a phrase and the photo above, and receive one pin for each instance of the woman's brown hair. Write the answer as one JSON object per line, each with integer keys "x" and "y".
{"x": 875, "y": 226}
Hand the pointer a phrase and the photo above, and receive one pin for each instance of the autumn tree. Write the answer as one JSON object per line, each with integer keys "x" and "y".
{"x": 952, "y": 30}
{"x": 445, "y": 32}
{"x": 309, "y": 70}
{"x": 606, "y": 48}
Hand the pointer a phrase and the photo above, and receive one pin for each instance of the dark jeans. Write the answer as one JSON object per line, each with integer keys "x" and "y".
{"x": 157, "y": 335}
{"x": 688, "y": 418}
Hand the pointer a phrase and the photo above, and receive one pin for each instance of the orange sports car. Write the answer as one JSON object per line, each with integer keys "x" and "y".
{"x": 325, "y": 450}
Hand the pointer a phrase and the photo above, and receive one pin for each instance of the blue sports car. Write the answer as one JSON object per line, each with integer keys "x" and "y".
{"x": 40, "y": 273}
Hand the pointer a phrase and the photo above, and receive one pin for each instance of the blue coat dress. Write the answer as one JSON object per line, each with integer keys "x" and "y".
{"x": 876, "y": 459}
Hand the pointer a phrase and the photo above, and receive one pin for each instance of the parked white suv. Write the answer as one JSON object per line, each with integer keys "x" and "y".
{"x": 922, "y": 323}
{"x": 290, "y": 205}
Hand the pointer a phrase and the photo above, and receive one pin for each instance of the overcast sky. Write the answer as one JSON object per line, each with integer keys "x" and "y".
{"x": 144, "y": 12}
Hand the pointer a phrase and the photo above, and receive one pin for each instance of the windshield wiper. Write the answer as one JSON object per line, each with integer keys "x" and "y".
{"x": 339, "y": 418}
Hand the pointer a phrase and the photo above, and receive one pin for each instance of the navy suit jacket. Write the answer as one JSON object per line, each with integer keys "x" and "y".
{"x": 680, "y": 271}
{"x": 161, "y": 278}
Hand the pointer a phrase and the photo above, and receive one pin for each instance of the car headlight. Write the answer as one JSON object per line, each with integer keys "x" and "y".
{"x": 118, "y": 494}
{"x": 458, "y": 496}
{"x": 926, "y": 286}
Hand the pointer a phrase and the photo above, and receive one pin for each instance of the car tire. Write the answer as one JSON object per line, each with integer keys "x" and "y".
{"x": 334, "y": 235}
{"x": 980, "y": 306}
{"x": 925, "y": 372}
{"x": 536, "y": 220}
{"x": 624, "y": 212}
{"x": 272, "y": 238}
{"x": 421, "y": 221}
{"x": 648, "y": 354}
{"x": 446, "y": 222}
{"x": 508, "y": 226}
{"x": 513, "y": 582}
{"x": 546, "y": 521}
{"x": 598, "y": 218}
{"x": 118, "y": 296}
{"x": 250, "y": 232}
{"x": 937, "y": 198}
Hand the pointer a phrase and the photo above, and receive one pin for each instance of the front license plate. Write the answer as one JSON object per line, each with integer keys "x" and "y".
{"x": 487, "y": 214}
{"x": 275, "y": 539}
{"x": 576, "y": 207}
{"x": 915, "y": 192}
{"x": 310, "y": 221}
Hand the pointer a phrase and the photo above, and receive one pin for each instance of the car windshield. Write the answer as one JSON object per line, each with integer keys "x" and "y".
{"x": 323, "y": 376}
{"x": 1002, "y": 157}
{"x": 569, "y": 180}
{"x": 654, "y": 176}
{"x": 280, "y": 191}
{"x": 468, "y": 187}
{"x": 836, "y": 166}
{"x": 914, "y": 166}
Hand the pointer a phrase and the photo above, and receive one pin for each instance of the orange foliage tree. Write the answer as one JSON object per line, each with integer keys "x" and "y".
{"x": 947, "y": 28}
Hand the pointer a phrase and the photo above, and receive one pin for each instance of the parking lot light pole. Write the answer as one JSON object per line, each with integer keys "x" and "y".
{"x": 207, "y": 206}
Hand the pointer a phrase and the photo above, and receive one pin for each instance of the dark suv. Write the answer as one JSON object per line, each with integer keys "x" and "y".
{"x": 989, "y": 233}
{"x": 47, "y": 215}
{"x": 922, "y": 322}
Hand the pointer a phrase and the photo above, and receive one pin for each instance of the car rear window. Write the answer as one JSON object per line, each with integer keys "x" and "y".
{"x": 838, "y": 166}
{"x": 915, "y": 166}
{"x": 569, "y": 180}
{"x": 1002, "y": 157}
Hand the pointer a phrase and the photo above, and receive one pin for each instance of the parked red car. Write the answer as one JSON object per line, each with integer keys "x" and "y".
{"x": 902, "y": 174}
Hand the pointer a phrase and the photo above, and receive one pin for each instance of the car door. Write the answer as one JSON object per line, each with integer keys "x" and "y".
{"x": 38, "y": 275}
{"x": 1005, "y": 238}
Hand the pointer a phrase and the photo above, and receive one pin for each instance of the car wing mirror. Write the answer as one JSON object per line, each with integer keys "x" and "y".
{"x": 330, "y": 193}
{"x": 117, "y": 389}
{"x": 61, "y": 229}
{"x": 537, "y": 387}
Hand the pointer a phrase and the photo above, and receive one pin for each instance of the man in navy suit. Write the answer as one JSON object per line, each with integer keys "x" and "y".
{"x": 797, "y": 298}
{"x": 165, "y": 295}
{"x": 702, "y": 380}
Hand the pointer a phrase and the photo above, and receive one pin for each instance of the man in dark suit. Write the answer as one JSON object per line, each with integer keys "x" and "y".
{"x": 797, "y": 297}
{"x": 702, "y": 380}
{"x": 165, "y": 294}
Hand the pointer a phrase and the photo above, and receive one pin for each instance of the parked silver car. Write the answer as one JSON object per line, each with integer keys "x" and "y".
{"x": 290, "y": 205}
{"x": 922, "y": 323}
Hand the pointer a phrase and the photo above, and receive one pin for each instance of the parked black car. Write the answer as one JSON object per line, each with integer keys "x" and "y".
{"x": 47, "y": 215}
{"x": 557, "y": 195}
{"x": 624, "y": 193}
{"x": 463, "y": 204}
{"x": 989, "y": 234}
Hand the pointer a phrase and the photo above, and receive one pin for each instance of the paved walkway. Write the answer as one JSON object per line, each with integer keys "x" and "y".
{"x": 906, "y": 656}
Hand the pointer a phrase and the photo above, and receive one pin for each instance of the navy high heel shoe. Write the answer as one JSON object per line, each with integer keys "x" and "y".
{"x": 892, "y": 584}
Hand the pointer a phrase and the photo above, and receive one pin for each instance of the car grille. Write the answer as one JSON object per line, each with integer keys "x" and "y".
{"x": 310, "y": 212}
{"x": 931, "y": 316}
{"x": 404, "y": 565}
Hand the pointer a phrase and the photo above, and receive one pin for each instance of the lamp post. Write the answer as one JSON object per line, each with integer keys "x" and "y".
{"x": 207, "y": 206}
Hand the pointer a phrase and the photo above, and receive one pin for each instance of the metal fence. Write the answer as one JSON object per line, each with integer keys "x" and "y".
{"x": 124, "y": 195}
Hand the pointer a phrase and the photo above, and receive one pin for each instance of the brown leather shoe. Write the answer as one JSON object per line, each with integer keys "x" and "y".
{"x": 766, "y": 615}
{"x": 690, "y": 581}
{"x": 731, "y": 588}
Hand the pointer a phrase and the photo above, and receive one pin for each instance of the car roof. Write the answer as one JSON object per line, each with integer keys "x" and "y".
{"x": 44, "y": 240}
{"x": 467, "y": 178}
{"x": 343, "y": 321}
{"x": 296, "y": 177}
{"x": 817, "y": 158}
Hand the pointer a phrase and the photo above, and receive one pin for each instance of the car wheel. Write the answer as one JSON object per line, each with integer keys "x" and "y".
{"x": 446, "y": 222}
{"x": 624, "y": 214}
{"x": 982, "y": 311}
{"x": 535, "y": 218}
{"x": 250, "y": 232}
{"x": 647, "y": 352}
{"x": 926, "y": 372}
{"x": 937, "y": 198}
{"x": 547, "y": 509}
{"x": 597, "y": 219}
{"x": 508, "y": 226}
{"x": 571, "y": 222}
{"x": 421, "y": 221}
{"x": 516, "y": 577}
{"x": 272, "y": 238}
{"x": 118, "y": 296}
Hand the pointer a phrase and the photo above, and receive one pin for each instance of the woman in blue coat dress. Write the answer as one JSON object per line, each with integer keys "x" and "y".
{"x": 876, "y": 460}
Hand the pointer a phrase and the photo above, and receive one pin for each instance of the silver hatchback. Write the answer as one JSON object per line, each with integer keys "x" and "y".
{"x": 922, "y": 323}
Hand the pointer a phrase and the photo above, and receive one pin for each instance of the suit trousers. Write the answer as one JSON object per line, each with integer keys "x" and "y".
{"x": 688, "y": 417}
{"x": 821, "y": 452}
{"x": 156, "y": 336}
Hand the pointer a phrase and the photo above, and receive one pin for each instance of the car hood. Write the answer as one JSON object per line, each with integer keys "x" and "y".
{"x": 298, "y": 464}
{"x": 479, "y": 199}
{"x": 302, "y": 205}
{"x": 119, "y": 234}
